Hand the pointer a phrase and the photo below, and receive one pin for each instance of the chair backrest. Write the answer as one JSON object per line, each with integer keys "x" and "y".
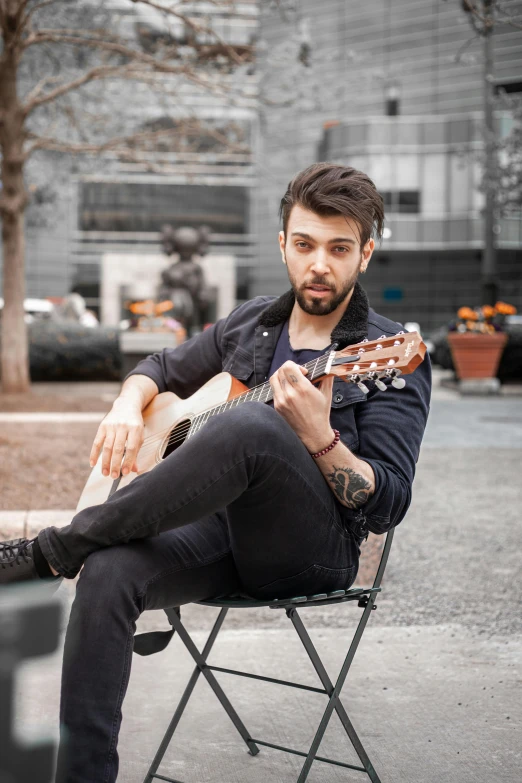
{"x": 384, "y": 558}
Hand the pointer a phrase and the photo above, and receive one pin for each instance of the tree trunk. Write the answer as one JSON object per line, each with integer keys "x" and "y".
{"x": 13, "y": 198}
{"x": 15, "y": 354}
{"x": 489, "y": 261}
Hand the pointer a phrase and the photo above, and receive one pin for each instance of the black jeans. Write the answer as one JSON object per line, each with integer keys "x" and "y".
{"x": 241, "y": 506}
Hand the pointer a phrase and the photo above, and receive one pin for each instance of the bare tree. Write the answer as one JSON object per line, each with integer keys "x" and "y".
{"x": 54, "y": 57}
{"x": 501, "y": 160}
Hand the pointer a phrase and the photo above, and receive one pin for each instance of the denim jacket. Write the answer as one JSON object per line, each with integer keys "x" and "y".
{"x": 384, "y": 429}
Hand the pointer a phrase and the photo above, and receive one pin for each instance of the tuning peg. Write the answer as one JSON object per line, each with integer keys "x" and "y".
{"x": 358, "y": 380}
{"x": 399, "y": 383}
{"x": 381, "y": 385}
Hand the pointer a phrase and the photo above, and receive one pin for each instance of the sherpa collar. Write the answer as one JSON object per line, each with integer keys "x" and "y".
{"x": 351, "y": 329}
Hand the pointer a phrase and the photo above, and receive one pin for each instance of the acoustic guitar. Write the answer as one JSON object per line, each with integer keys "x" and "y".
{"x": 169, "y": 421}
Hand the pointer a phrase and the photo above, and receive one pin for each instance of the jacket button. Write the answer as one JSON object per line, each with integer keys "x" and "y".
{"x": 338, "y": 397}
{"x": 265, "y": 334}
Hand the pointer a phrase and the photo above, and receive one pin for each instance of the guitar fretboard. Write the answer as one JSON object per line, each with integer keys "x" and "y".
{"x": 261, "y": 393}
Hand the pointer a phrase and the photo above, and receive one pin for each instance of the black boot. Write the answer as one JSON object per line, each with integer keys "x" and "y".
{"x": 17, "y": 563}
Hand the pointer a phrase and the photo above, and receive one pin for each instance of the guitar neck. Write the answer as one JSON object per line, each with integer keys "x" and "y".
{"x": 262, "y": 393}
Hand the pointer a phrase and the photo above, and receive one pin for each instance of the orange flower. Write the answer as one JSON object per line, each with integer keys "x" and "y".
{"x": 505, "y": 309}
{"x": 467, "y": 314}
{"x": 488, "y": 311}
{"x": 142, "y": 308}
{"x": 163, "y": 307}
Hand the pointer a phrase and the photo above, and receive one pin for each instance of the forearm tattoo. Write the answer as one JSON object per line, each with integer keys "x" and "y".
{"x": 350, "y": 487}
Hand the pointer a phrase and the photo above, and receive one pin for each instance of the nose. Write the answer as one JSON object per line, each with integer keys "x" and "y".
{"x": 320, "y": 265}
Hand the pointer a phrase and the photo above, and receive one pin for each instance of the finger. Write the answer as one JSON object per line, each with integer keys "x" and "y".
{"x": 326, "y": 386}
{"x": 277, "y": 388}
{"x": 107, "y": 451}
{"x": 118, "y": 450}
{"x": 134, "y": 442}
{"x": 97, "y": 446}
{"x": 292, "y": 373}
{"x": 303, "y": 369}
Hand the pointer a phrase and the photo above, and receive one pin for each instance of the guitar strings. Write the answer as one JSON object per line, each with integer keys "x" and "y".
{"x": 181, "y": 434}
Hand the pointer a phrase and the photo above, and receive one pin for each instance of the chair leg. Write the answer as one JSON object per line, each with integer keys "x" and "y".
{"x": 334, "y": 702}
{"x": 176, "y": 622}
{"x": 200, "y": 659}
{"x": 216, "y": 687}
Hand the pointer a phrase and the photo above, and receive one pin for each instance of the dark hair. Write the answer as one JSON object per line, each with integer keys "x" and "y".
{"x": 329, "y": 189}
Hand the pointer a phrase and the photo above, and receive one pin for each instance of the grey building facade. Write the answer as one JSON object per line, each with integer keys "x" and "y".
{"x": 394, "y": 88}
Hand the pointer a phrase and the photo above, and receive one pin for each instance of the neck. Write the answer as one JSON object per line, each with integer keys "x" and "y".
{"x": 302, "y": 325}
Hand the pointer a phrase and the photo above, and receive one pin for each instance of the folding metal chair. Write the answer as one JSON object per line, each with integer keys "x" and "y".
{"x": 365, "y": 597}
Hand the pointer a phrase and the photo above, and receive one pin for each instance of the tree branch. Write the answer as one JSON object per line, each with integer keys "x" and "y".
{"x": 100, "y": 72}
{"x": 37, "y": 89}
{"x": 197, "y": 28}
{"x": 119, "y": 71}
{"x": 26, "y": 22}
{"x": 122, "y": 141}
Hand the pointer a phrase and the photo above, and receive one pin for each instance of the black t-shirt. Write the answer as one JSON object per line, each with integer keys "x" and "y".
{"x": 284, "y": 352}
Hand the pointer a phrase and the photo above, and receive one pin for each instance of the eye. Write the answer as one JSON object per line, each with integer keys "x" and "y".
{"x": 301, "y": 243}
{"x": 342, "y": 249}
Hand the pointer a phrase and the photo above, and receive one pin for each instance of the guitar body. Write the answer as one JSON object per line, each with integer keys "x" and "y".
{"x": 166, "y": 418}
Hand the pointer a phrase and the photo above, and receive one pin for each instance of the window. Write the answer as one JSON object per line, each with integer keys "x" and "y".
{"x": 402, "y": 201}
{"x": 121, "y": 206}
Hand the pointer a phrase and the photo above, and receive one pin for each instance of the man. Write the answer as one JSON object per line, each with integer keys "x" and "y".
{"x": 269, "y": 501}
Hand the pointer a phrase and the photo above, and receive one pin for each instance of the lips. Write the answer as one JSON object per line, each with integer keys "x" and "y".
{"x": 320, "y": 289}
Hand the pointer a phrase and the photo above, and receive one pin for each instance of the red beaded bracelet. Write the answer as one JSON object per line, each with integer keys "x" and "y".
{"x": 328, "y": 448}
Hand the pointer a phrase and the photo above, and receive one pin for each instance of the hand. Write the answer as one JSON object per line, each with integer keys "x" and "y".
{"x": 120, "y": 432}
{"x": 304, "y": 406}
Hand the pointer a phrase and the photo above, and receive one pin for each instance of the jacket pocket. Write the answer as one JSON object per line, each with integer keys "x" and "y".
{"x": 238, "y": 362}
{"x": 345, "y": 396}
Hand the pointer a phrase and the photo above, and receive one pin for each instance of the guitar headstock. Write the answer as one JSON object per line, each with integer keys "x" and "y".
{"x": 375, "y": 360}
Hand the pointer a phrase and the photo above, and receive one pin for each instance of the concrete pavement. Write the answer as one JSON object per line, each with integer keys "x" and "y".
{"x": 435, "y": 690}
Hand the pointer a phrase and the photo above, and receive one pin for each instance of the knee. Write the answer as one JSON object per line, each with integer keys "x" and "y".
{"x": 251, "y": 419}
{"x": 106, "y": 577}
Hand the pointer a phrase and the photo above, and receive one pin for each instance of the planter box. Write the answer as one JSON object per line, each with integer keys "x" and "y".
{"x": 476, "y": 355}
{"x": 135, "y": 346}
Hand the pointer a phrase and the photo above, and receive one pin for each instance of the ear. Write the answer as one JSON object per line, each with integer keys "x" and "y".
{"x": 366, "y": 255}
{"x": 282, "y": 241}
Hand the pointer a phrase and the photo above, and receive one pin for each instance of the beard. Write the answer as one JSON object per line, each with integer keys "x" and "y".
{"x": 318, "y": 305}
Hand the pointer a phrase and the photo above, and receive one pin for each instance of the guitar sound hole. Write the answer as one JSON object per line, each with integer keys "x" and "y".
{"x": 177, "y": 437}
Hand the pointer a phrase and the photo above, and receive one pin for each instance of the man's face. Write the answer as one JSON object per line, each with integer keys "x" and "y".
{"x": 323, "y": 257}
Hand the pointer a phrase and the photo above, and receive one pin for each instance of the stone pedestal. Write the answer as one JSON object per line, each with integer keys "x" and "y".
{"x": 480, "y": 386}
{"x": 135, "y": 346}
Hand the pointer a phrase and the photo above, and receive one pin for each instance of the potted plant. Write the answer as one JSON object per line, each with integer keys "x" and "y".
{"x": 477, "y": 340}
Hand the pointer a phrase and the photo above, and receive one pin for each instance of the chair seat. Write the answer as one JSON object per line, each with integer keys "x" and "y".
{"x": 247, "y": 602}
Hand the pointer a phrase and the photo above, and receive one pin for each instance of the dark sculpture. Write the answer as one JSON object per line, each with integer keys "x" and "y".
{"x": 183, "y": 282}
